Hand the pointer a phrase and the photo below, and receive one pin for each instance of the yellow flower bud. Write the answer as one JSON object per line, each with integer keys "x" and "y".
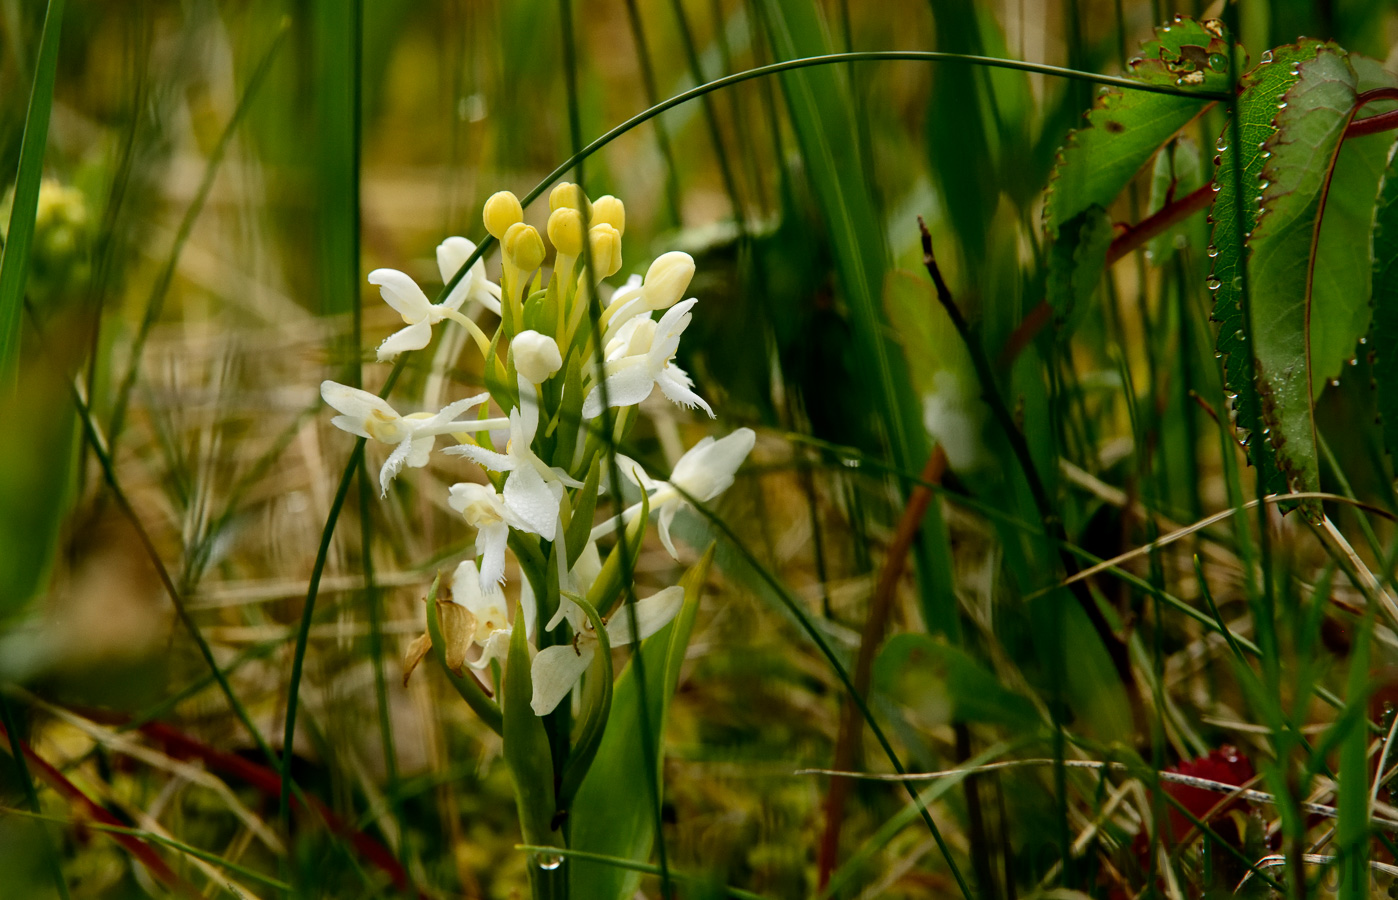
{"x": 566, "y": 230}
{"x": 568, "y": 195}
{"x": 523, "y": 246}
{"x": 605, "y": 243}
{"x": 667, "y": 279}
{"x": 610, "y": 210}
{"x": 501, "y": 211}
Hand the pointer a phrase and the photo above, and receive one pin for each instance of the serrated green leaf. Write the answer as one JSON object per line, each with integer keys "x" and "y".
{"x": 614, "y": 811}
{"x": 1125, "y": 128}
{"x": 1257, "y": 105}
{"x": 1310, "y": 126}
{"x": 1383, "y": 332}
{"x": 1075, "y": 264}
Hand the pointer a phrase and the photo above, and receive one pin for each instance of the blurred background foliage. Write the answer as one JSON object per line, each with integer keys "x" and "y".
{"x": 214, "y": 191}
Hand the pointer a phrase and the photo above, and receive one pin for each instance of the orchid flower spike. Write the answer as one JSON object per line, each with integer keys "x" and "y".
{"x": 420, "y": 314}
{"x": 705, "y": 471}
{"x": 556, "y": 669}
{"x": 370, "y": 416}
{"x": 533, "y": 491}
{"x": 640, "y": 357}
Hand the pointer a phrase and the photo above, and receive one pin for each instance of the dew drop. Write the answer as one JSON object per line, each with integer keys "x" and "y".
{"x": 1364, "y": 340}
{"x": 548, "y": 861}
{"x": 1262, "y": 183}
{"x": 1218, "y": 354}
{"x": 1218, "y": 62}
{"x": 1239, "y": 335}
{"x": 1281, "y": 105}
{"x": 1218, "y": 161}
{"x": 1150, "y": 256}
{"x": 850, "y": 462}
{"x": 1221, "y": 144}
{"x": 1334, "y": 382}
{"x": 1266, "y": 154}
{"x": 1215, "y": 187}
{"x": 1354, "y": 360}
{"x": 1237, "y": 283}
{"x": 1213, "y": 251}
{"x": 1265, "y": 58}
{"x": 1213, "y": 284}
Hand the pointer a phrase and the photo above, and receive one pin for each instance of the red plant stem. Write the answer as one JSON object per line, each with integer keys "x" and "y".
{"x": 182, "y": 746}
{"x": 138, "y": 848}
{"x": 875, "y": 624}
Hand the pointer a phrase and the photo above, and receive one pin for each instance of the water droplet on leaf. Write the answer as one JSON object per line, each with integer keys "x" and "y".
{"x": 1222, "y": 143}
{"x": 1265, "y": 58}
{"x": 548, "y": 861}
{"x": 1213, "y": 251}
{"x": 1213, "y": 284}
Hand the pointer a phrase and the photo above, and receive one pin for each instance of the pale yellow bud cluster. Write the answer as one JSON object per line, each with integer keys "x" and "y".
{"x": 502, "y": 212}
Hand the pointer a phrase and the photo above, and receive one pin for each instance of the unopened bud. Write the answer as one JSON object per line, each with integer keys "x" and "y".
{"x": 568, "y": 195}
{"x": 536, "y": 356}
{"x": 523, "y": 246}
{"x": 566, "y": 230}
{"x": 667, "y": 279}
{"x": 501, "y": 211}
{"x": 611, "y": 211}
{"x": 605, "y": 244}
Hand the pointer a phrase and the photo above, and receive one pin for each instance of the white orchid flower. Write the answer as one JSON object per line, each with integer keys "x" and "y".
{"x": 370, "y": 416}
{"x": 556, "y": 669}
{"x": 640, "y": 357}
{"x": 490, "y": 617}
{"x": 705, "y": 471}
{"x": 534, "y": 491}
{"x": 488, "y": 513}
{"x": 665, "y": 283}
{"x": 420, "y": 314}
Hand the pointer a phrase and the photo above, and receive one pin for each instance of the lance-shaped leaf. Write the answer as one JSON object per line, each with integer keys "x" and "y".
{"x": 1261, "y": 90}
{"x": 1384, "y": 330}
{"x": 1075, "y": 265}
{"x": 1125, "y": 128}
{"x": 1311, "y": 122}
{"x": 614, "y": 812}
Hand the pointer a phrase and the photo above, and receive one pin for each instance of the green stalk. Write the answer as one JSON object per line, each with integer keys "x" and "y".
{"x": 14, "y": 263}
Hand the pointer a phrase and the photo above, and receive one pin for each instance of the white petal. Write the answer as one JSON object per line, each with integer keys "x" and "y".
{"x": 353, "y": 402}
{"x": 673, "y": 384}
{"x": 451, "y": 256}
{"x": 497, "y": 646}
{"x": 652, "y": 614}
{"x": 530, "y": 498}
{"x": 352, "y": 424}
{"x": 495, "y": 462}
{"x": 628, "y": 383}
{"x": 490, "y": 554}
{"x": 393, "y": 465}
{"x": 587, "y": 568}
{"x": 669, "y": 329}
{"x": 555, "y": 671}
{"x": 524, "y": 419}
{"x": 421, "y": 451}
{"x": 707, "y": 469}
{"x": 662, "y": 521}
{"x": 414, "y": 337}
{"x": 402, "y": 293}
{"x": 466, "y": 584}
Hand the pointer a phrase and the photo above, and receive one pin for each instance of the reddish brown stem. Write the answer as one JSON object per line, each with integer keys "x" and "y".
{"x": 875, "y": 624}
{"x": 139, "y": 849}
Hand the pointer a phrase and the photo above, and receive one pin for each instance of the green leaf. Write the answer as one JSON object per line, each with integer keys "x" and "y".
{"x": 1257, "y": 105}
{"x": 946, "y": 685}
{"x": 1075, "y": 265}
{"x": 1384, "y": 329}
{"x": 615, "y": 813}
{"x": 584, "y": 506}
{"x": 1125, "y": 128}
{"x": 14, "y": 264}
{"x": 1310, "y": 125}
{"x": 526, "y": 745}
{"x": 599, "y": 709}
{"x": 1341, "y": 285}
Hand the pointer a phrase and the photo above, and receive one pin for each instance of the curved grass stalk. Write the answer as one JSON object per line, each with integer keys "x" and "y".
{"x": 647, "y": 868}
